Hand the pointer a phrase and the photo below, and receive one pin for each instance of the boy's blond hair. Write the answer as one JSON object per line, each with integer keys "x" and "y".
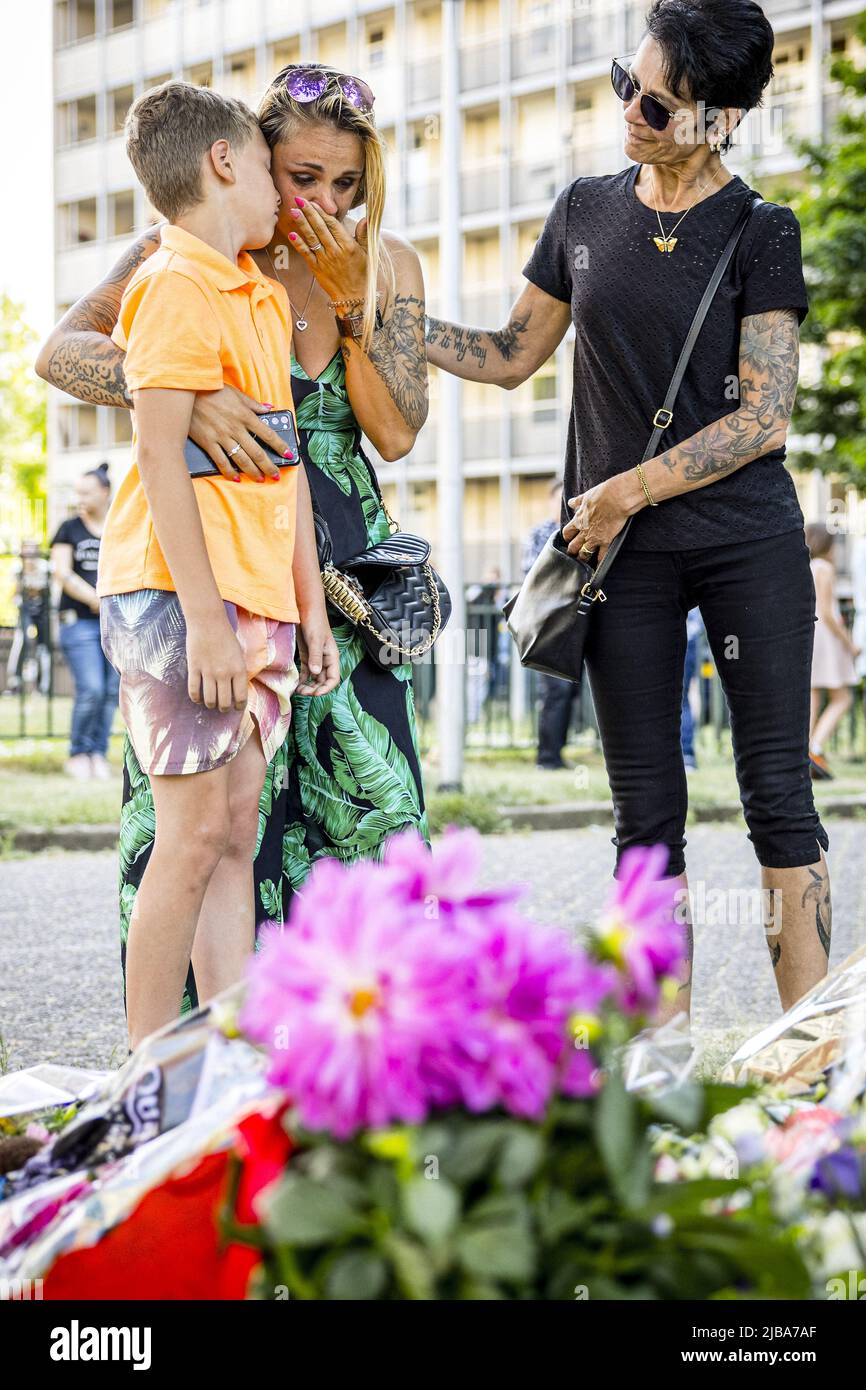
{"x": 168, "y": 131}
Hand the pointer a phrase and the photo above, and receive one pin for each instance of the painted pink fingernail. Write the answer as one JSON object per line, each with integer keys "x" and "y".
{"x": 267, "y": 405}
{"x": 292, "y": 236}
{"x": 236, "y": 478}
{"x": 300, "y": 202}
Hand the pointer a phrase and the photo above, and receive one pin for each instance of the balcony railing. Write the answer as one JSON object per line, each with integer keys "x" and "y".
{"x": 481, "y": 437}
{"x": 479, "y": 64}
{"x": 423, "y": 80}
{"x": 533, "y": 181}
{"x": 536, "y": 50}
{"x": 480, "y": 186}
{"x": 482, "y": 308}
{"x": 422, "y": 202}
{"x": 535, "y": 431}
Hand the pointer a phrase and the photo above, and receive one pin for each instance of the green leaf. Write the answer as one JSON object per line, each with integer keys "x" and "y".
{"x": 357, "y": 1274}
{"x": 413, "y": 1267}
{"x": 521, "y": 1155}
{"x": 304, "y": 1212}
{"x": 496, "y": 1240}
{"x": 431, "y": 1207}
{"x": 475, "y": 1150}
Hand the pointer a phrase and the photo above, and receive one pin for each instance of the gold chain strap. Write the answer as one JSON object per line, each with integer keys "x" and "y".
{"x": 346, "y": 593}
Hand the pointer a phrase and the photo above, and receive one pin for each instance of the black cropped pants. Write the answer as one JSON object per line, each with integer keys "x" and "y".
{"x": 757, "y": 599}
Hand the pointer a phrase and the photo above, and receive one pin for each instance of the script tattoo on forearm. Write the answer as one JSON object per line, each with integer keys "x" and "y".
{"x": 397, "y": 353}
{"x": 475, "y": 343}
{"x": 86, "y": 363}
{"x": 769, "y": 364}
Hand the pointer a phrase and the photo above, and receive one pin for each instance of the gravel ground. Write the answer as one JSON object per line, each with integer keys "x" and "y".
{"x": 60, "y": 985}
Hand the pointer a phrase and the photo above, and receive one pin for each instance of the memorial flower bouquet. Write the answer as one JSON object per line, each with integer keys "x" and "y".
{"x": 460, "y": 1128}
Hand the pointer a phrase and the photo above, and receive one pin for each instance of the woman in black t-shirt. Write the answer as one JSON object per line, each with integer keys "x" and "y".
{"x": 625, "y": 258}
{"x": 75, "y": 558}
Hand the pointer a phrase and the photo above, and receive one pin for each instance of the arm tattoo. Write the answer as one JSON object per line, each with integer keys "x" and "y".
{"x": 86, "y": 363}
{"x": 818, "y": 892}
{"x": 475, "y": 343}
{"x": 90, "y": 367}
{"x": 397, "y": 352}
{"x": 769, "y": 358}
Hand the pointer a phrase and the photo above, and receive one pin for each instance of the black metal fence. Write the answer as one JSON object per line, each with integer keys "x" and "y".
{"x": 501, "y": 697}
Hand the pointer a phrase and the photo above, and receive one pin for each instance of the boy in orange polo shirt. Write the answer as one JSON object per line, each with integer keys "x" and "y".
{"x": 205, "y": 584}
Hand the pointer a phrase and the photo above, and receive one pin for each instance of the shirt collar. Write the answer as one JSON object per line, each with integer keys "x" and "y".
{"x": 220, "y": 270}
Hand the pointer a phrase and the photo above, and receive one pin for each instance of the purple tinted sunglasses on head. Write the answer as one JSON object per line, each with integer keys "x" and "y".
{"x": 306, "y": 83}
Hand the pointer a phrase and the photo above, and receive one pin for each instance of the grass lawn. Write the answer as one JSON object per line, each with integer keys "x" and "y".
{"x": 34, "y": 790}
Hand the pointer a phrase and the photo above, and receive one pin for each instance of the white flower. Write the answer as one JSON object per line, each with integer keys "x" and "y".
{"x": 746, "y": 1120}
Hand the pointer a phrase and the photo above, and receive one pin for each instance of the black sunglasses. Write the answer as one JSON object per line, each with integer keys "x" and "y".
{"x": 656, "y": 116}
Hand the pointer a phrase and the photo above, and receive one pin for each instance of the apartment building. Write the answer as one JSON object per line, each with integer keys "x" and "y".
{"x": 534, "y": 109}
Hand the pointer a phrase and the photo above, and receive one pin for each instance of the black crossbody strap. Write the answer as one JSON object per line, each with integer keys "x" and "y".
{"x": 679, "y": 372}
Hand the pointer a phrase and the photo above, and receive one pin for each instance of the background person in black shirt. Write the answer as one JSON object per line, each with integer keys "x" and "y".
{"x": 75, "y": 558}
{"x": 626, "y": 258}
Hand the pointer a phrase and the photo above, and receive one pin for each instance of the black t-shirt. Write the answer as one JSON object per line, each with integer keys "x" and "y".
{"x": 85, "y": 559}
{"x": 632, "y": 307}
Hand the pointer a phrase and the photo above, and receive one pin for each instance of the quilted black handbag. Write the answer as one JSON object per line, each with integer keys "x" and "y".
{"x": 390, "y": 591}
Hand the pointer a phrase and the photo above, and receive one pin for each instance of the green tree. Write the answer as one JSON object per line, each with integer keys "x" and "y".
{"x": 832, "y": 211}
{"x": 23, "y": 414}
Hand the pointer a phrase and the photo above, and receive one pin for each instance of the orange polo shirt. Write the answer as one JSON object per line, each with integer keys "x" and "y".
{"x": 190, "y": 320}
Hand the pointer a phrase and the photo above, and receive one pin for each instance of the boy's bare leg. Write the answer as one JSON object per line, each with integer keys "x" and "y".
{"x": 192, "y": 829}
{"x": 681, "y": 1002}
{"x": 225, "y": 935}
{"x": 798, "y": 921}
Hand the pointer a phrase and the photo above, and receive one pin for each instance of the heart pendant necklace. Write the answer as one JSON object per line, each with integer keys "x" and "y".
{"x": 300, "y": 322}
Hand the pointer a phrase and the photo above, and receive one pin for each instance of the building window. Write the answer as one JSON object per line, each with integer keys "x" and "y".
{"x": 78, "y": 426}
{"x": 121, "y": 213}
{"x": 375, "y": 47}
{"x": 200, "y": 76}
{"x": 157, "y": 81}
{"x": 74, "y": 20}
{"x": 121, "y": 421}
{"x": 121, "y": 14}
{"x": 120, "y": 101}
{"x": 77, "y": 222}
{"x": 76, "y": 121}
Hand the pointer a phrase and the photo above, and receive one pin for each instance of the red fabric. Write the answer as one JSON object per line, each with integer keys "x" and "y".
{"x": 168, "y": 1248}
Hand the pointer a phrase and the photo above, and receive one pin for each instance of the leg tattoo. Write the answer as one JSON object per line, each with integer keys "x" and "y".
{"x": 818, "y": 892}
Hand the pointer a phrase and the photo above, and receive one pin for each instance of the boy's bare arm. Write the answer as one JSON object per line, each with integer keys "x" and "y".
{"x": 78, "y": 356}
{"x": 217, "y": 670}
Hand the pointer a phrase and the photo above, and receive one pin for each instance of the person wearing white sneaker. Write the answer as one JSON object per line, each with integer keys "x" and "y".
{"x": 100, "y": 769}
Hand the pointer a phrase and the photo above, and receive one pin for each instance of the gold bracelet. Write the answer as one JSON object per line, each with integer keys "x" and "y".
{"x": 647, "y": 493}
{"x": 344, "y": 303}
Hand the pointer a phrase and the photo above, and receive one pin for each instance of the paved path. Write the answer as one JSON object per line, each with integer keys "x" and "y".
{"x": 60, "y": 978}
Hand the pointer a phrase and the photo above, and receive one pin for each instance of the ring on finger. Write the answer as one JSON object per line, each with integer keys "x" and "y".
{"x": 316, "y": 246}
{"x": 233, "y": 451}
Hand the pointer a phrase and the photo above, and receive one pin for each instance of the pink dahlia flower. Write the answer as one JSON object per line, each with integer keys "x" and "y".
{"x": 514, "y": 1049}
{"x": 350, "y": 998}
{"x": 637, "y": 928}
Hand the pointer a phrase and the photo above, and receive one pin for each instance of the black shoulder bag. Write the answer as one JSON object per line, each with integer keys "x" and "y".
{"x": 390, "y": 591}
{"x": 548, "y": 616}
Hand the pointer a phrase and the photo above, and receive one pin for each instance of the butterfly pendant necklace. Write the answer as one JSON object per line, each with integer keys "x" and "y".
{"x": 667, "y": 242}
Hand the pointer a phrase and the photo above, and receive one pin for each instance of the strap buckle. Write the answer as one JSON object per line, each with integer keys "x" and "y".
{"x": 662, "y": 424}
{"x": 599, "y": 593}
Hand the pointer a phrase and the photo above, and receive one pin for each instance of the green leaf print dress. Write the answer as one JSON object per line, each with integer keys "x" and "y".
{"x": 348, "y": 775}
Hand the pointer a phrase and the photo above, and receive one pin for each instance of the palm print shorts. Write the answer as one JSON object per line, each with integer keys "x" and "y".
{"x": 144, "y": 638}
